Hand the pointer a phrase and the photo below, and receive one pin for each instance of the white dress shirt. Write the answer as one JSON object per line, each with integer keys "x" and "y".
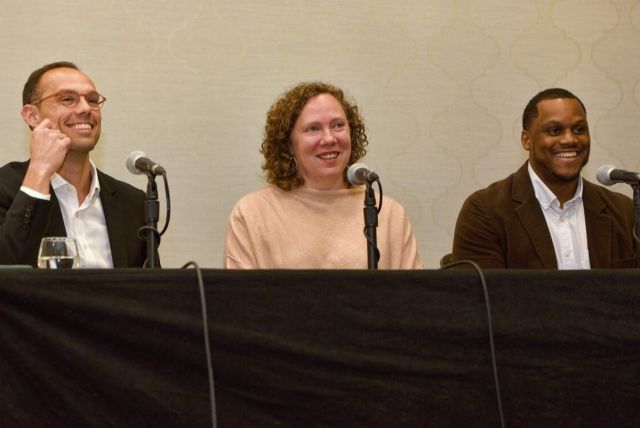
{"x": 85, "y": 222}
{"x": 566, "y": 225}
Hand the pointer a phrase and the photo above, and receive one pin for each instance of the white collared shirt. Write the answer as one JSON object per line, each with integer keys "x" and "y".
{"x": 566, "y": 225}
{"x": 85, "y": 223}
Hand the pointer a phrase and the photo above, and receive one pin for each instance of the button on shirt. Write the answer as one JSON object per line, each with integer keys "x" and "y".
{"x": 85, "y": 222}
{"x": 566, "y": 225}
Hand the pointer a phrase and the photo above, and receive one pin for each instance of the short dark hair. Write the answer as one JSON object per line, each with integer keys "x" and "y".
{"x": 30, "y": 91}
{"x": 531, "y": 110}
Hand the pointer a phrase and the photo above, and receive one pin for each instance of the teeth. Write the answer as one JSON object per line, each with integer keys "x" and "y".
{"x": 81, "y": 126}
{"x": 328, "y": 156}
{"x": 567, "y": 154}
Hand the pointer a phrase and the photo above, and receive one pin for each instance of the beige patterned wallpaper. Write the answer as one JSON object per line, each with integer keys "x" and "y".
{"x": 441, "y": 83}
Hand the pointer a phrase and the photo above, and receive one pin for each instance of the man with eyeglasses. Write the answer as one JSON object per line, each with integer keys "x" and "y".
{"x": 59, "y": 191}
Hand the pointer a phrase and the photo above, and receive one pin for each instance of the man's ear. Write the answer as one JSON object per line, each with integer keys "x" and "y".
{"x": 525, "y": 139}
{"x": 30, "y": 115}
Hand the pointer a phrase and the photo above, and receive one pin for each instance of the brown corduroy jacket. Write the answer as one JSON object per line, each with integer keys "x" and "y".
{"x": 502, "y": 226}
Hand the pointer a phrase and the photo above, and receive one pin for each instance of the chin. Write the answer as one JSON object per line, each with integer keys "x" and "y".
{"x": 83, "y": 147}
{"x": 566, "y": 176}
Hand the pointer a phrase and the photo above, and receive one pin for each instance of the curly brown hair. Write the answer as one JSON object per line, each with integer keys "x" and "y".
{"x": 278, "y": 165}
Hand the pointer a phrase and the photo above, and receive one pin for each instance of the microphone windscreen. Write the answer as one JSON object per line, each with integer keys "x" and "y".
{"x": 603, "y": 175}
{"x": 131, "y": 161}
{"x": 351, "y": 173}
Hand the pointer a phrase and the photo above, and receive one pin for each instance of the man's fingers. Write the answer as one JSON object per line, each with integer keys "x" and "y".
{"x": 45, "y": 124}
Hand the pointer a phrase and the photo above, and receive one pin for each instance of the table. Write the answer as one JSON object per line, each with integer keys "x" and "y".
{"x": 125, "y": 347}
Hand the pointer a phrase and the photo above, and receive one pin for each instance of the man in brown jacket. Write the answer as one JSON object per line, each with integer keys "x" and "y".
{"x": 545, "y": 215}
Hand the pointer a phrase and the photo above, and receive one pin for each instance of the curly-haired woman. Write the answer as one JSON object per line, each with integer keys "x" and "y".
{"x": 309, "y": 216}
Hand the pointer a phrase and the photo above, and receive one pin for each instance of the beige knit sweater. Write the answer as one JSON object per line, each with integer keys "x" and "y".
{"x": 315, "y": 229}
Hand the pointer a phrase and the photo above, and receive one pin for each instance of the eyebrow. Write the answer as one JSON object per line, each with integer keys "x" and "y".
{"x": 91, "y": 91}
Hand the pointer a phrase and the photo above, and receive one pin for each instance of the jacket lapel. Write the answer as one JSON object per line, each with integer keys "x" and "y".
{"x": 599, "y": 239}
{"x": 114, "y": 220}
{"x": 532, "y": 219}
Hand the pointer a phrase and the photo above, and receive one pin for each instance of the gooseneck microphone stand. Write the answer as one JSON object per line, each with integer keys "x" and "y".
{"x": 152, "y": 214}
{"x": 370, "y": 225}
{"x": 359, "y": 174}
{"x": 138, "y": 163}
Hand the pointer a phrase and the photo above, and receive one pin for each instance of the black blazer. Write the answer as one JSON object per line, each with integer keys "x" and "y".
{"x": 25, "y": 220}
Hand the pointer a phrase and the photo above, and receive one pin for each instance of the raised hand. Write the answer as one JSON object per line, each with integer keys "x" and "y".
{"x": 48, "y": 149}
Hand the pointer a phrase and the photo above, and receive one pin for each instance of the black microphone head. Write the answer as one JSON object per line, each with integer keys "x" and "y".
{"x": 353, "y": 176}
{"x": 131, "y": 161}
{"x": 603, "y": 175}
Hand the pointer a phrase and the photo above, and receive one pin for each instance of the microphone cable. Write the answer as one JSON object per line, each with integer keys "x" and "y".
{"x": 168, "y": 197}
{"x": 207, "y": 345}
{"x": 167, "y": 217}
{"x": 485, "y": 290}
{"x": 379, "y": 191}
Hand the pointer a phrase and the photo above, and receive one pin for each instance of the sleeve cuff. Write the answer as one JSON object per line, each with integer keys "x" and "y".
{"x": 35, "y": 194}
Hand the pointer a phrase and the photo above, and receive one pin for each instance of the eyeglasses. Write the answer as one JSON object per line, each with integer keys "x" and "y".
{"x": 70, "y": 99}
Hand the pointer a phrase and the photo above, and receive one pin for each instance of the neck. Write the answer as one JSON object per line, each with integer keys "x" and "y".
{"x": 325, "y": 185}
{"x": 564, "y": 191}
{"x": 76, "y": 170}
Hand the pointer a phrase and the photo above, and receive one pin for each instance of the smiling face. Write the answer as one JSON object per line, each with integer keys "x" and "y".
{"x": 80, "y": 123}
{"x": 558, "y": 142}
{"x": 321, "y": 142}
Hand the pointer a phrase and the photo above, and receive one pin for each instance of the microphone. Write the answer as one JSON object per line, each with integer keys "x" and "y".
{"x": 609, "y": 175}
{"x": 138, "y": 163}
{"x": 359, "y": 173}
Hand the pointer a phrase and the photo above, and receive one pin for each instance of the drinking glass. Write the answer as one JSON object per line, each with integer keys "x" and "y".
{"x": 58, "y": 253}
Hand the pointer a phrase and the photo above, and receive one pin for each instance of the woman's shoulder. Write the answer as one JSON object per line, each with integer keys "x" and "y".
{"x": 259, "y": 197}
{"x": 392, "y": 204}
{"x": 266, "y": 192}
